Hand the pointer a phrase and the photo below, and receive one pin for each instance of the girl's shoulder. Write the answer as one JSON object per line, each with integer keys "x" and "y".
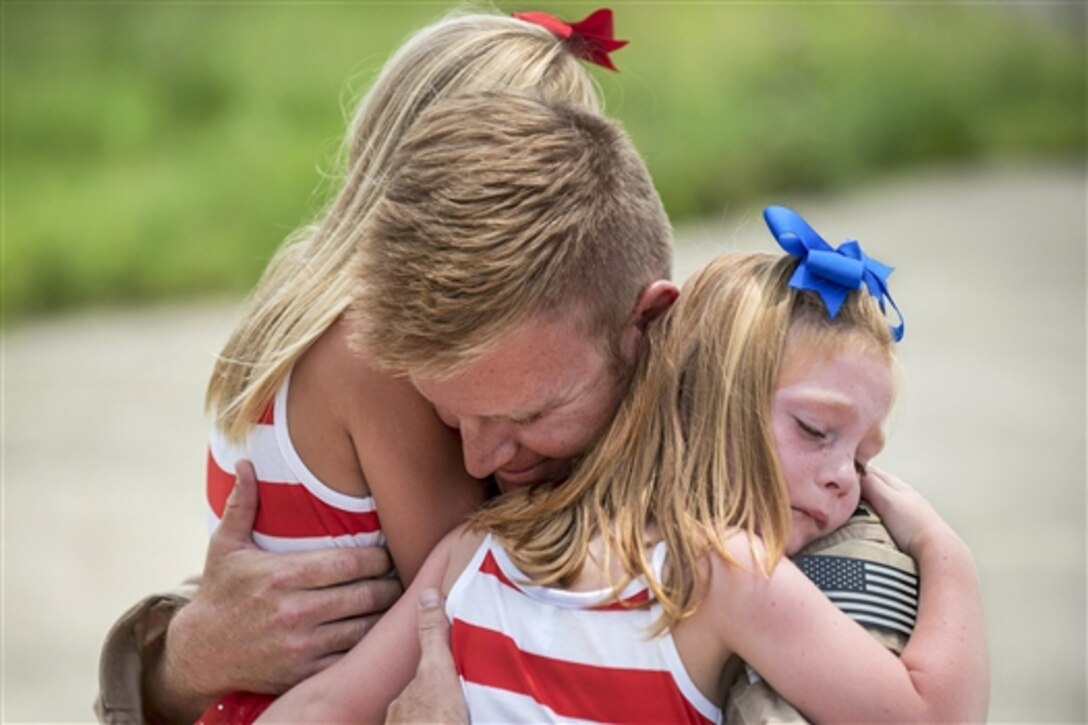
{"x": 745, "y": 577}
{"x": 375, "y": 405}
{"x": 743, "y": 554}
{"x": 462, "y": 543}
{"x": 344, "y": 371}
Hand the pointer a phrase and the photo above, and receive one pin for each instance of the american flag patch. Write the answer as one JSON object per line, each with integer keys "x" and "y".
{"x": 870, "y": 593}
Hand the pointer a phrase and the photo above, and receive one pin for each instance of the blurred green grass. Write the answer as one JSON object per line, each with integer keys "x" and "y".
{"x": 163, "y": 151}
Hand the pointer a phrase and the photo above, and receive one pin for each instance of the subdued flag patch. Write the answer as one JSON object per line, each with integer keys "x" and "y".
{"x": 872, "y": 594}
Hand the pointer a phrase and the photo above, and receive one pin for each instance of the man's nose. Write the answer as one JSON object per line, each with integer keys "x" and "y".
{"x": 487, "y": 446}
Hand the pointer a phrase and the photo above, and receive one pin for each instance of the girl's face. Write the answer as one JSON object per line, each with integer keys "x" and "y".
{"x": 827, "y": 417}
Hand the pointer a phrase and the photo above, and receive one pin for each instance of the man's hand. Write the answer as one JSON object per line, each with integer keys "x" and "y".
{"x": 262, "y": 621}
{"x": 434, "y": 695}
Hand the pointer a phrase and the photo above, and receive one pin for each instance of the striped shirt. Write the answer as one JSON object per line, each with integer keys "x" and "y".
{"x": 531, "y": 654}
{"x": 298, "y": 512}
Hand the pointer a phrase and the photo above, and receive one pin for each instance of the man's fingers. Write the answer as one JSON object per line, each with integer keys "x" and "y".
{"x": 434, "y": 630}
{"x": 324, "y": 663}
{"x": 307, "y": 594}
{"x": 337, "y": 638}
{"x": 355, "y": 599}
{"x": 333, "y": 567}
{"x": 435, "y": 694}
{"x": 241, "y": 509}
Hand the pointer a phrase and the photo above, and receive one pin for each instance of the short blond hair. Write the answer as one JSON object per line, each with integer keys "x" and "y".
{"x": 691, "y": 449}
{"x": 307, "y": 286}
{"x": 503, "y": 207}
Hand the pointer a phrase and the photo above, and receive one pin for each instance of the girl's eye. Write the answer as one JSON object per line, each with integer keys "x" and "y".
{"x": 861, "y": 468}
{"x": 810, "y": 431}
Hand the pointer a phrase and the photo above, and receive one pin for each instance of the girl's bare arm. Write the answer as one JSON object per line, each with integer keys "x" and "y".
{"x": 360, "y": 686}
{"x": 828, "y": 666}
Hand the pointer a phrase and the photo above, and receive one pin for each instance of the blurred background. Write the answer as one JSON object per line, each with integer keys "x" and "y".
{"x": 160, "y": 152}
{"x": 154, "y": 155}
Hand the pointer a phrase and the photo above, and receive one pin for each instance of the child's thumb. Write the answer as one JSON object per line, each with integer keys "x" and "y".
{"x": 241, "y": 509}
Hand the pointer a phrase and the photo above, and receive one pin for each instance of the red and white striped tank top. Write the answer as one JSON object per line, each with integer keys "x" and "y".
{"x": 298, "y": 512}
{"x": 533, "y": 654}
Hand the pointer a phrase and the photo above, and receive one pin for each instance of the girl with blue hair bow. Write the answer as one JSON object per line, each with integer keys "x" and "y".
{"x": 633, "y": 591}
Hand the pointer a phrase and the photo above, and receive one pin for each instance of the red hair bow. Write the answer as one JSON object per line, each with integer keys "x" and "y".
{"x": 590, "y": 39}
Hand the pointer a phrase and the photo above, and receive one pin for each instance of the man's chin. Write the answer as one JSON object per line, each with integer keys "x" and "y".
{"x": 508, "y": 485}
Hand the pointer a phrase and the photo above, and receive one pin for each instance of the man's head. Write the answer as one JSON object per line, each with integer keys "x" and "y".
{"x": 518, "y": 252}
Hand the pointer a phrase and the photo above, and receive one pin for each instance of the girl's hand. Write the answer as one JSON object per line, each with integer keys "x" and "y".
{"x": 905, "y": 513}
{"x": 947, "y": 657}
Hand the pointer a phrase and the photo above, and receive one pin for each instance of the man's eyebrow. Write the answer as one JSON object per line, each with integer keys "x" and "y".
{"x": 537, "y": 412}
{"x": 557, "y": 399}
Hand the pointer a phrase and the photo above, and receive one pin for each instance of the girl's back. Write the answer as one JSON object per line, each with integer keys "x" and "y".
{"x": 333, "y": 414}
{"x": 530, "y": 653}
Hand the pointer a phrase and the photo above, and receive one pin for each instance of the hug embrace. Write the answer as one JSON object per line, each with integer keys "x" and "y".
{"x": 474, "y": 372}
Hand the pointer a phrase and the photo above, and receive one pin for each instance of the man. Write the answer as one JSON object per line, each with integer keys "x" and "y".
{"x": 510, "y": 271}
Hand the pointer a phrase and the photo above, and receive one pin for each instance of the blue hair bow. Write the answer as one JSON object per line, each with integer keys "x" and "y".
{"x": 831, "y": 273}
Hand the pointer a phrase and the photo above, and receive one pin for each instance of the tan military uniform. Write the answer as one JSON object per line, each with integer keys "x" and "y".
{"x": 864, "y": 538}
{"x": 140, "y": 632}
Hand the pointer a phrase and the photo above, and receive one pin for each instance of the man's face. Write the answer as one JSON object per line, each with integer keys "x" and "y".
{"x": 536, "y": 401}
{"x": 827, "y": 417}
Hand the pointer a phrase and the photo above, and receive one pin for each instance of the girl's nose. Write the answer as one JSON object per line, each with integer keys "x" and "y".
{"x": 841, "y": 476}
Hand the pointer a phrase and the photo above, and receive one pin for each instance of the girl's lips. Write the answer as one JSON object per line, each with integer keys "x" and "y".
{"x": 818, "y": 517}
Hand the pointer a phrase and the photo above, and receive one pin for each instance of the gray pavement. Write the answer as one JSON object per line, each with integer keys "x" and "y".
{"x": 103, "y": 432}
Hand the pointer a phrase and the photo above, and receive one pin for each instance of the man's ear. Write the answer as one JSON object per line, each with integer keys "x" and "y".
{"x": 654, "y": 299}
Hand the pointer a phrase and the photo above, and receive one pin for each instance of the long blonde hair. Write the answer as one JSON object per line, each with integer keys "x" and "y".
{"x": 308, "y": 284}
{"x": 690, "y": 451}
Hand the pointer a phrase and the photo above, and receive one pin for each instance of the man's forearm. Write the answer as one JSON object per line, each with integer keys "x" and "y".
{"x": 170, "y": 693}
